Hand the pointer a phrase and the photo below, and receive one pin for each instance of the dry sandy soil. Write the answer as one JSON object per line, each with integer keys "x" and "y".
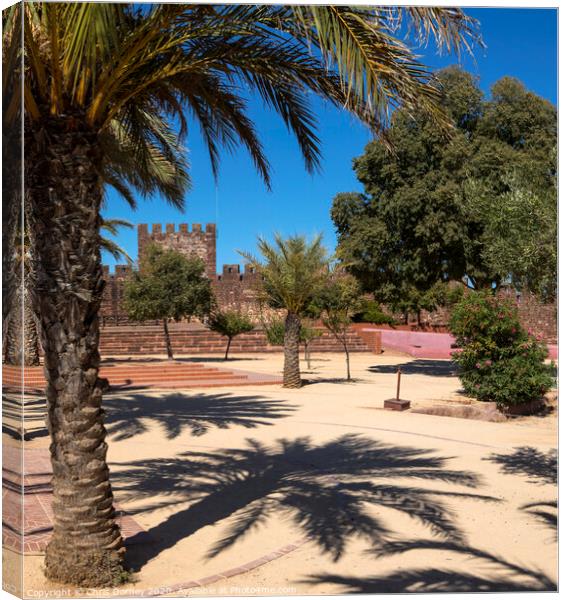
{"x": 352, "y": 497}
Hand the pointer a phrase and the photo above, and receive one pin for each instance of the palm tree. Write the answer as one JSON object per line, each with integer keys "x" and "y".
{"x": 293, "y": 272}
{"x": 21, "y": 340}
{"x": 21, "y": 337}
{"x": 102, "y": 77}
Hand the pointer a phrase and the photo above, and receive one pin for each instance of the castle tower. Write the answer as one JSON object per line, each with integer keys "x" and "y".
{"x": 198, "y": 242}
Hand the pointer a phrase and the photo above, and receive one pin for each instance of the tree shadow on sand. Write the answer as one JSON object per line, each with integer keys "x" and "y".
{"x": 325, "y": 490}
{"x": 546, "y": 512}
{"x": 129, "y": 415}
{"x": 540, "y": 467}
{"x": 502, "y": 575}
{"x": 420, "y": 366}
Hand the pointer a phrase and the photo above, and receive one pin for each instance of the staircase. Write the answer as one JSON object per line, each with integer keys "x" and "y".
{"x": 188, "y": 339}
{"x": 159, "y": 374}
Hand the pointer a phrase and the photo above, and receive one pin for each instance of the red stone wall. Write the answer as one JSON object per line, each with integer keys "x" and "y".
{"x": 540, "y": 319}
{"x": 535, "y": 316}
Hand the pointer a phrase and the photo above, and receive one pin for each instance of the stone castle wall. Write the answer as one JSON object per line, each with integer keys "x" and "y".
{"x": 233, "y": 288}
{"x": 196, "y": 242}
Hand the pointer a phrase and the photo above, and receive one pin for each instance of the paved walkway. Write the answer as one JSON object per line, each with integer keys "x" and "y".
{"x": 27, "y": 524}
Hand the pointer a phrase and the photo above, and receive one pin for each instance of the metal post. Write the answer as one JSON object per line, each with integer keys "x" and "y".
{"x": 398, "y": 388}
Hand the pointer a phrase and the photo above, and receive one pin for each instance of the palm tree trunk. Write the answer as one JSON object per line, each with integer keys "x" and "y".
{"x": 11, "y": 222}
{"x": 167, "y": 339}
{"x": 65, "y": 194}
{"x": 21, "y": 341}
{"x": 292, "y": 377}
{"x": 227, "y": 349}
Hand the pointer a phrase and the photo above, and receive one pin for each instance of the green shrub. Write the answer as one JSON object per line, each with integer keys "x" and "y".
{"x": 275, "y": 328}
{"x": 372, "y": 313}
{"x": 230, "y": 324}
{"x": 498, "y": 360}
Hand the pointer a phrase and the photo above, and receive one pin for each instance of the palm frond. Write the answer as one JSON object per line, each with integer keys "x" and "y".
{"x": 112, "y": 226}
{"x": 292, "y": 270}
{"x": 133, "y": 71}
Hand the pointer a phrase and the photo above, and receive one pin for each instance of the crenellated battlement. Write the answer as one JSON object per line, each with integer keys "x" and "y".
{"x": 119, "y": 271}
{"x": 183, "y": 228}
{"x": 229, "y": 272}
{"x": 232, "y": 272}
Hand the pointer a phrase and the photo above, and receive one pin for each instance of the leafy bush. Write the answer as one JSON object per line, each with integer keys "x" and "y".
{"x": 372, "y": 313}
{"x": 498, "y": 360}
{"x": 275, "y": 329}
{"x": 453, "y": 295}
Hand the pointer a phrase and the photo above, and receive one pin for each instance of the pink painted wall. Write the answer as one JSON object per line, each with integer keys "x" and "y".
{"x": 426, "y": 345}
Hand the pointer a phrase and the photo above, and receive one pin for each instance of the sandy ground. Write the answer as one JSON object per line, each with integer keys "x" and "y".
{"x": 376, "y": 501}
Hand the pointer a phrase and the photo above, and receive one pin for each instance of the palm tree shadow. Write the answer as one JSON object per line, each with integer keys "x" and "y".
{"x": 546, "y": 512}
{"x": 128, "y": 416}
{"x": 503, "y": 575}
{"x": 324, "y": 490}
{"x": 420, "y": 366}
{"x": 431, "y": 580}
{"x": 540, "y": 467}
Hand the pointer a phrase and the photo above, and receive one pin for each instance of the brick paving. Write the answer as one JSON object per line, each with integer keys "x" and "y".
{"x": 218, "y": 577}
{"x": 27, "y": 519}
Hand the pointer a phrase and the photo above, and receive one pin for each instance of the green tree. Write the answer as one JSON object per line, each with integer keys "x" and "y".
{"x": 230, "y": 324}
{"x": 308, "y": 333}
{"x": 274, "y": 330}
{"x": 293, "y": 271}
{"x": 110, "y": 79}
{"x": 418, "y": 223}
{"x": 168, "y": 286}
{"x": 520, "y": 233}
{"x": 336, "y": 303}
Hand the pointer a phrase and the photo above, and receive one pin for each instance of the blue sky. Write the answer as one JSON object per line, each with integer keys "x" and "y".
{"x": 520, "y": 42}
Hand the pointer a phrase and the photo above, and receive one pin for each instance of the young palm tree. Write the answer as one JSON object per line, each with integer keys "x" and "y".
{"x": 102, "y": 77}
{"x": 293, "y": 272}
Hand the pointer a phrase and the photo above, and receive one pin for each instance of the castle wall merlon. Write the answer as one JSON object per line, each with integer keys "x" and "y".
{"x": 120, "y": 271}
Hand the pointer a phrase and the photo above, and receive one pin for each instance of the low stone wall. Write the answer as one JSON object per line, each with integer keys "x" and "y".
{"x": 194, "y": 339}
